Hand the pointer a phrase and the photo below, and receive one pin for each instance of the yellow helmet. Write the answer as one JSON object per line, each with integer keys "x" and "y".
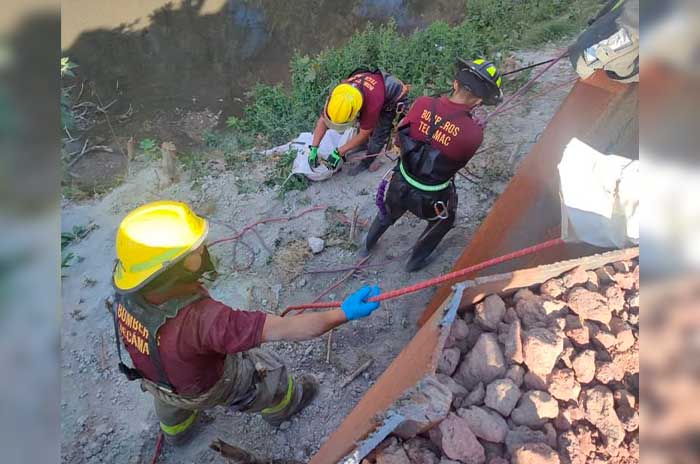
{"x": 342, "y": 107}
{"x": 152, "y": 238}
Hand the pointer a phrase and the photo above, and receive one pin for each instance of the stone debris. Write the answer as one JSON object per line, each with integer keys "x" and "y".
{"x": 574, "y": 277}
{"x": 563, "y": 385}
{"x": 535, "y": 453}
{"x": 489, "y": 313}
{"x": 547, "y": 377}
{"x": 541, "y": 349}
{"x": 316, "y": 244}
{"x": 448, "y": 361}
{"x": 487, "y": 425}
{"x": 502, "y": 395}
{"x": 584, "y": 366}
{"x": 458, "y": 441}
{"x": 535, "y": 408}
{"x": 484, "y": 362}
{"x": 589, "y": 305}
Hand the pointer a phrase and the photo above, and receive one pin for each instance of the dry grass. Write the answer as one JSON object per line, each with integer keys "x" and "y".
{"x": 290, "y": 259}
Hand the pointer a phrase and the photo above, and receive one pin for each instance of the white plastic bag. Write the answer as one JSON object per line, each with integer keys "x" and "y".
{"x": 599, "y": 197}
{"x": 330, "y": 142}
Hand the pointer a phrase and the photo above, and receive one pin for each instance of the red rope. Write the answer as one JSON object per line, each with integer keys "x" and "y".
{"x": 435, "y": 280}
{"x": 264, "y": 221}
{"x": 159, "y": 447}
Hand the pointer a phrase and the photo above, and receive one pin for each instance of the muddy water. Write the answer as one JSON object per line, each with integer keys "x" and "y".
{"x": 159, "y": 55}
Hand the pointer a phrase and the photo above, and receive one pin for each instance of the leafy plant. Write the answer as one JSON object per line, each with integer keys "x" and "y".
{"x": 66, "y": 106}
{"x": 149, "y": 147}
{"x": 281, "y": 174}
{"x": 67, "y": 67}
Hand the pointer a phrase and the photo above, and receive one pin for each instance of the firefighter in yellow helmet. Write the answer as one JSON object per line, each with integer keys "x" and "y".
{"x": 370, "y": 99}
{"x": 190, "y": 351}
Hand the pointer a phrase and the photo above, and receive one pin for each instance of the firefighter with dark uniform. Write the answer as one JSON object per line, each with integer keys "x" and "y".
{"x": 190, "y": 351}
{"x": 437, "y": 138}
{"x": 372, "y": 98}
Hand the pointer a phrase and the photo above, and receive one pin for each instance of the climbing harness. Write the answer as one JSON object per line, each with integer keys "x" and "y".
{"x": 420, "y": 185}
{"x": 441, "y": 212}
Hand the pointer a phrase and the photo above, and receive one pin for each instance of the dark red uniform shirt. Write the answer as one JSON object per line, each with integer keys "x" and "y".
{"x": 457, "y": 136}
{"x": 194, "y": 344}
{"x": 373, "y": 97}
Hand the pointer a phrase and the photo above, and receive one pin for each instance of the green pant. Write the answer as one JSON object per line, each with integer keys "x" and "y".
{"x": 254, "y": 381}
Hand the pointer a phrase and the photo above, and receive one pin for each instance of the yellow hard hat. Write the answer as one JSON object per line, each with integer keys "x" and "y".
{"x": 342, "y": 107}
{"x": 153, "y": 237}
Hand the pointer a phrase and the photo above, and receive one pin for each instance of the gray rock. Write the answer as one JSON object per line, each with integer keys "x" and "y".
{"x": 521, "y": 434}
{"x": 489, "y": 313}
{"x": 534, "y": 409}
{"x": 513, "y": 343}
{"x": 516, "y": 374}
{"x": 449, "y": 360}
{"x": 486, "y": 424}
{"x": 316, "y": 244}
{"x": 502, "y": 395}
{"x": 599, "y": 407}
{"x": 458, "y": 391}
{"x": 483, "y": 363}
{"x": 534, "y": 453}
{"x": 475, "y": 397}
{"x": 541, "y": 350}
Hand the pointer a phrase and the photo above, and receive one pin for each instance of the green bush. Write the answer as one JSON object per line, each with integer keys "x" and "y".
{"x": 425, "y": 59}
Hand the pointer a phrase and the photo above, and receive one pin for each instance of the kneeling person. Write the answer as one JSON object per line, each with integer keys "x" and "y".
{"x": 374, "y": 98}
{"x": 437, "y": 138}
{"x": 190, "y": 351}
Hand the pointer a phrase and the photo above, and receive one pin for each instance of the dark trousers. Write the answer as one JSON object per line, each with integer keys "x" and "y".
{"x": 402, "y": 197}
{"x": 382, "y": 131}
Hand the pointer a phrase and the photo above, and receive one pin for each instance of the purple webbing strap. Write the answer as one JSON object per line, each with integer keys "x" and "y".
{"x": 379, "y": 199}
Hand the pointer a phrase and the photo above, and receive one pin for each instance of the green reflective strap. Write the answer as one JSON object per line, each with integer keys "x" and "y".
{"x": 179, "y": 428}
{"x": 420, "y": 186}
{"x": 285, "y": 401}
{"x": 158, "y": 259}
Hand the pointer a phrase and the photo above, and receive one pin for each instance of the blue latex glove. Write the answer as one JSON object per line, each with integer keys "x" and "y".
{"x": 356, "y": 305}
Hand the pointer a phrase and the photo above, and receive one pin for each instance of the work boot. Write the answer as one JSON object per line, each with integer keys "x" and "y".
{"x": 362, "y": 166}
{"x": 376, "y": 230}
{"x": 304, "y": 391}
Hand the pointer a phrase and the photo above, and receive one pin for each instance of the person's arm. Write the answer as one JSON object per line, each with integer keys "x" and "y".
{"x": 301, "y": 327}
{"x": 319, "y": 131}
{"x": 357, "y": 140}
{"x": 312, "y": 325}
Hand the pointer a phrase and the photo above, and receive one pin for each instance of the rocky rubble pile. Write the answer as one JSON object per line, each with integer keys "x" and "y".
{"x": 547, "y": 375}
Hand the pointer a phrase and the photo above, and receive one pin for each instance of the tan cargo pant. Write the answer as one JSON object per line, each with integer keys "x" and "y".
{"x": 253, "y": 381}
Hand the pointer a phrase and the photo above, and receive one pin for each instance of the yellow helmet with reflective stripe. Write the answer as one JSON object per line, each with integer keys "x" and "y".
{"x": 152, "y": 238}
{"x": 482, "y": 78}
{"x": 343, "y": 107}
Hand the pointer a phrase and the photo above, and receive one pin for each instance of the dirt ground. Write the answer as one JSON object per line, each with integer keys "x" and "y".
{"x": 105, "y": 418}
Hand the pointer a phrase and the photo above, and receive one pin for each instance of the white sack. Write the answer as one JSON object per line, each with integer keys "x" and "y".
{"x": 330, "y": 142}
{"x": 600, "y": 197}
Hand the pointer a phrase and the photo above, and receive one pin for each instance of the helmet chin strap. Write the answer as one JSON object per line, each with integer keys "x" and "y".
{"x": 178, "y": 275}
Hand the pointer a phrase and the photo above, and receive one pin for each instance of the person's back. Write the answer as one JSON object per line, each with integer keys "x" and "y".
{"x": 456, "y": 135}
